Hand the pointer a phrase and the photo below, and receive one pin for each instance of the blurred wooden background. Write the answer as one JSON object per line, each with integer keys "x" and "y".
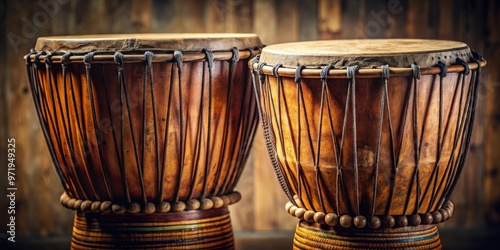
{"x": 38, "y": 212}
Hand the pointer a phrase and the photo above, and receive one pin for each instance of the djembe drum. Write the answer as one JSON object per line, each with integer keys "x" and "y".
{"x": 367, "y": 137}
{"x": 149, "y": 134}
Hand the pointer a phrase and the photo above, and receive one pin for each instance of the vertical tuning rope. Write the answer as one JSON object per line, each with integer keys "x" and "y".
{"x": 351, "y": 76}
{"x": 338, "y": 158}
{"x": 118, "y": 57}
{"x": 43, "y": 123}
{"x": 210, "y": 61}
{"x": 269, "y": 144}
{"x": 433, "y": 179}
{"x": 385, "y": 76}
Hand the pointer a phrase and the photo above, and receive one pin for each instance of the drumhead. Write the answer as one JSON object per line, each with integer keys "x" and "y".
{"x": 141, "y": 42}
{"x": 368, "y": 53}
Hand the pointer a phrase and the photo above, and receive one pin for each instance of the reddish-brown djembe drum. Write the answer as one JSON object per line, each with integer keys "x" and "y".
{"x": 368, "y": 137}
{"x": 149, "y": 134}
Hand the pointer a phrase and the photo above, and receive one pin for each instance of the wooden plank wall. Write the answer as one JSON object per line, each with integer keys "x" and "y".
{"x": 39, "y": 214}
{"x": 492, "y": 121}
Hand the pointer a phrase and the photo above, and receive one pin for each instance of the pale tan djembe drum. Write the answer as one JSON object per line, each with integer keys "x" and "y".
{"x": 149, "y": 134}
{"x": 368, "y": 137}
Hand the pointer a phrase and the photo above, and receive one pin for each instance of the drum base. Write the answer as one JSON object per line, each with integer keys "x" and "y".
{"x": 198, "y": 229}
{"x": 313, "y": 236}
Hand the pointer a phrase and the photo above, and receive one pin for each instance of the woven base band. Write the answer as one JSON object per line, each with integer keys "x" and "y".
{"x": 314, "y": 236}
{"x": 197, "y": 229}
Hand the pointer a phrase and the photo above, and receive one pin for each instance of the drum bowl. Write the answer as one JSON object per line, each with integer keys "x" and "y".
{"x": 367, "y": 137}
{"x": 149, "y": 130}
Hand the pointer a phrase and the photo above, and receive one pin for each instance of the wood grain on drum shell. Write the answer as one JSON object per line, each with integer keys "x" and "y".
{"x": 122, "y": 140}
{"x": 378, "y": 152}
{"x": 92, "y": 165}
{"x": 146, "y": 140}
{"x": 368, "y": 92}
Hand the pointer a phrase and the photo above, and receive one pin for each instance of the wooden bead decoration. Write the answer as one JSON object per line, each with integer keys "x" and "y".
{"x": 218, "y": 202}
{"x": 288, "y": 205}
{"x": 414, "y": 220}
{"x": 374, "y": 222}
{"x": 106, "y": 206}
{"x": 388, "y": 221}
{"x": 309, "y": 216}
{"x": 63, "y": 197}
{"x": 319, "y": 217}
{"x": 450, "y": 211}
{"x": 71, "y": 203}
{"x": 150, "y": 208}
{"x": 331, "y": 219}
{"x": 117, "y": 209}
{"x": 194, "y": 204}
{"x": 450, "y": 204}
{"x": 164, "y": 207}
{"x": 444, "y": 214}
{"x": 134, "y": 208}
{"x": 426, "y": 218}
{"x": 359, "y": 221}
{"x": 234, "y": 197}
{"x": 299, "y": 213}
{"x": 86, "y": 206}
{"x": 345, "y": 220}
{"x": 78, "y": 204}
{"x": 96, "y": 206}
{"x": 206, "y": 204}
{"x": 402, "y": 221}
{"x": 436, "y": 217}
{"x": 225, "y": 198}
{"x": 178, "y": 206}
{"x": 64, "y": 202}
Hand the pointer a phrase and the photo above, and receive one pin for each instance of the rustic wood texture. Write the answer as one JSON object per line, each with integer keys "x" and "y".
{"x": 139, "y": 142}
{"x": 3, "y": 111}
{"x": 266, "y": 25}
{"x": 491, "y": 93}
{"x": 39, "y": 212}
{"x": 159, "y": 139}
{"x": 330, "y": 18}
{"x": 311, "y": 173}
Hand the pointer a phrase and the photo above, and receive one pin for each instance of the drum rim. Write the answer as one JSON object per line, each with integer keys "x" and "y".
{"x": 122, "y": 36}
{"x": 315, "y": 71}
{"x": 137, "y": 56}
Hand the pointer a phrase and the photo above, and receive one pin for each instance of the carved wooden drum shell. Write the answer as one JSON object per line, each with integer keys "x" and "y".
{"x": 146, "y": 118}
{"x": 364, "y": 129}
